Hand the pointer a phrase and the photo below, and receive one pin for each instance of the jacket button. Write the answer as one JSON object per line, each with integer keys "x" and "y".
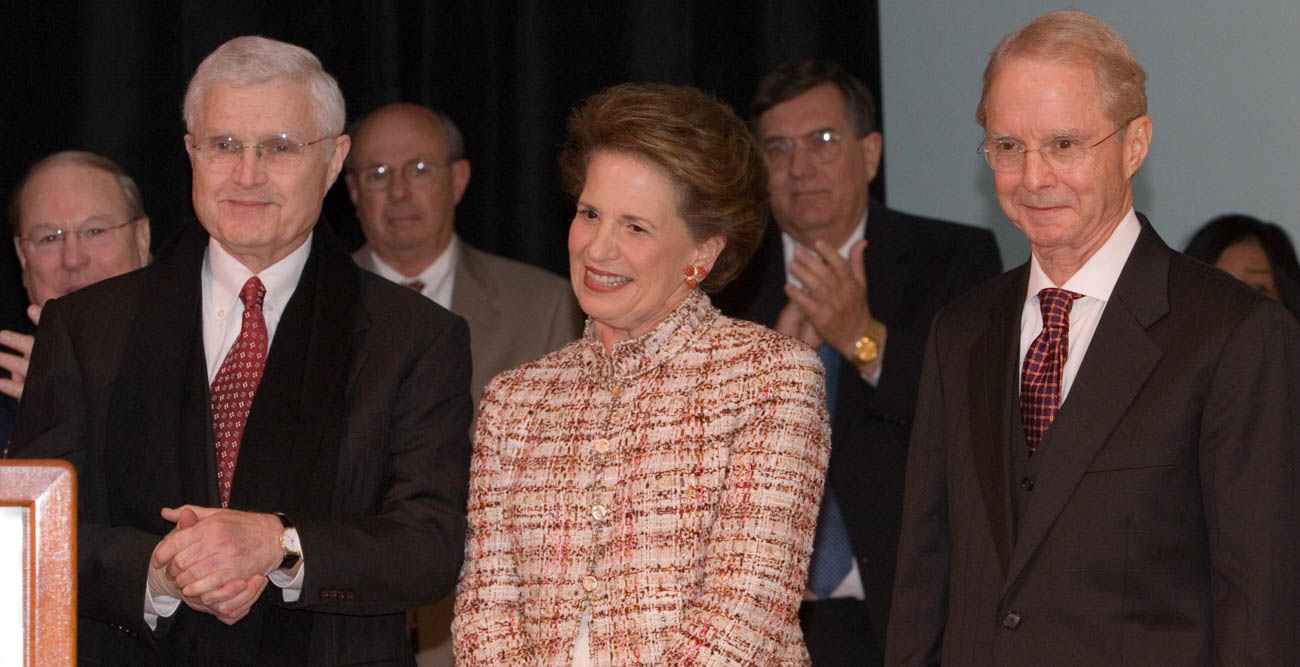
{"x": 1011, "y": 621}
{"x": 589, "y": 583}
{"x": 1027, "y": 483}
{"x": 601, "y": 445}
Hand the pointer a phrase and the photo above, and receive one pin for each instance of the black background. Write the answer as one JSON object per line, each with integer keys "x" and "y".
{"x": 108, "y": 77}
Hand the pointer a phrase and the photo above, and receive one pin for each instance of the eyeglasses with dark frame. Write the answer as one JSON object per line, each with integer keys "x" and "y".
{"x": 1063, "y": 153}
{"x": 276, "y": 152}
{"x": 822, "y": 146}
{"x": 416, "y": 172}
{"x": 95, "y": 234}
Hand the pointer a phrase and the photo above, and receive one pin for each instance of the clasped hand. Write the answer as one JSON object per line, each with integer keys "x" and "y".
{"x": 216, "y": 560}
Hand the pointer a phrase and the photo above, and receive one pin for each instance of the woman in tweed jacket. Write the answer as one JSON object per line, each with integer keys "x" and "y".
{"x": 647, "y": 495}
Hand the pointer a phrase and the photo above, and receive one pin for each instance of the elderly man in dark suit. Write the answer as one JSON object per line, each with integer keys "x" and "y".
{"x": 253, "y": 407}
{"x": 861, "y": 283}
{"x": 1104, "y": 463}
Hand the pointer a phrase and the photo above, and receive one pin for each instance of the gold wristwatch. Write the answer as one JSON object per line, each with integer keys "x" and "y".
{"x": 289, "y": 543}
{"x": 866, "y": 350}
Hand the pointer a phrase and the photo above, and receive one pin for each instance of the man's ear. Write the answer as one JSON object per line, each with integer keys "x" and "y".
{"x": 1137, "y": 143}
{"x": 22, "y": 256}
{"x": 872, "y": 146}
{"x": 342, "y": 144}
{"x": 354, "y": 192}
{"x": 459, "y": 177}
{"x": 142, "y": 237}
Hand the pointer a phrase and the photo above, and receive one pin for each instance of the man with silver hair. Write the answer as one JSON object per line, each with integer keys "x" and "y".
{"x": 1104, "y": 465}
{"x": 271, "y": 443}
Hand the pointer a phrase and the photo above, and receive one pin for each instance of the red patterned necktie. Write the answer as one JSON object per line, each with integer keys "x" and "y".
{"x": 417, "y": 285}
{"x": 1040, "y": 375}
{"x": 236, "y": 382}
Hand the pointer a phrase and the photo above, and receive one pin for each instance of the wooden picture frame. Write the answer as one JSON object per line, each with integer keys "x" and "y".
{"x": 47, "y": 491}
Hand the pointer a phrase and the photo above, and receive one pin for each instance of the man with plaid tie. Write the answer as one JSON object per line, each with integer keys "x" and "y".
{"x": 1104, "y": 462}
{"x": 271, "y": 443}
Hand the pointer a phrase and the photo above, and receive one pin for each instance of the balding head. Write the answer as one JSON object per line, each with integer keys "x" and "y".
{"x": 77, "y": 219}
{"x": 406, "y": 174}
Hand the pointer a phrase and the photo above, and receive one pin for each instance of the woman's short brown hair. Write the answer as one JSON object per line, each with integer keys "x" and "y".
{"x": 699, "y": 142}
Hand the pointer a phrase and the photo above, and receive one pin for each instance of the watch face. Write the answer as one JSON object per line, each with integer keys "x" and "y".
{"x": 866, "y": 349}
{"x": 290, "y": 539}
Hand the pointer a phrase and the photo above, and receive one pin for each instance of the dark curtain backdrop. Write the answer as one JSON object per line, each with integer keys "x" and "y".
{"x": 108, "y": 77}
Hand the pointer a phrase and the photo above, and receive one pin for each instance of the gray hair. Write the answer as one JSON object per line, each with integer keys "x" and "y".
{"x": 250, "y": 60}
{"x": 131, "y": 193}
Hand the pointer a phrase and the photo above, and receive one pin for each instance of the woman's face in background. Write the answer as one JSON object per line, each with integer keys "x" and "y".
{"x": 1246, "y": 261}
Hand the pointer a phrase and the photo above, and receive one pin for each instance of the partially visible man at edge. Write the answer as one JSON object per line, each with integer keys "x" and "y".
{"x": 1104, "y": 465}
{"x": 253, "y": 407}
{"x": 77, "y": 219}
{"x": 861, "y": 283}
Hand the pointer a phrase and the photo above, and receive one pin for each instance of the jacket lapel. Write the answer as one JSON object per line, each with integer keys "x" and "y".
{"x": 470, "y": 297}
{"x": 1119, "y": 359}
{"x": 888, "y": 246}
{"x": 162, "y": 453}
{"x": 992, "y": 377}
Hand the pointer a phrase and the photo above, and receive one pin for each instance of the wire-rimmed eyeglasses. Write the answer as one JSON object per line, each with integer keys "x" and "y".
{"x": 277, "y": 152}
{"x": 96, "y": 233}
{"x": 1007, "y": 154}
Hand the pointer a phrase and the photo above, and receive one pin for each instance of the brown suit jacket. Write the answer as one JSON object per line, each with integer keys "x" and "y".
{"x": 1161, "y": 528}
{"x": 358, "y": 432}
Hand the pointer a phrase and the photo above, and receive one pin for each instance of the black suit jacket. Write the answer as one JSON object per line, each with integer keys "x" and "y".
{"x": 914, "y": 266}
{"x": 358, "y": 432}
{"x": 1162, "y": 526}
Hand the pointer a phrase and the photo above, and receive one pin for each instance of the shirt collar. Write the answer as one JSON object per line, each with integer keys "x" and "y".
{"x": 433, "y": 274}
{"x": 1097, "y": 277}
{"x": 279, "y": 279}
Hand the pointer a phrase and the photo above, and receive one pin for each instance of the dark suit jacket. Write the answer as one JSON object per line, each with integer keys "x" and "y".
{"x": 358, "y": 432}
{"x": 1161, "y": 528}
{"x": 914, "y": 266}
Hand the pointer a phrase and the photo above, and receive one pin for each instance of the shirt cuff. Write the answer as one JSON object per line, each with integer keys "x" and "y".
{"x": 158, "y": 606}
{"x": 874, "y": 378}
{"x": 290, "y": 587}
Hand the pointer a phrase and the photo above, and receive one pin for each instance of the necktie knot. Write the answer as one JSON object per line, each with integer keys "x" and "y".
{"x": 1055, "y": 303}
{"x": 253, "y": 293}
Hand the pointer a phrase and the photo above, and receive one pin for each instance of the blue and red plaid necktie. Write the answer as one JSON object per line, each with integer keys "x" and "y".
{"x": 1040, "y": 375}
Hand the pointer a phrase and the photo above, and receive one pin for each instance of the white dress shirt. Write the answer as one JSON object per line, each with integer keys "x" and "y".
{"x": 439, "y": 277}
{"x": 1094, "y": 280}
{"x": 222, "y": 279}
